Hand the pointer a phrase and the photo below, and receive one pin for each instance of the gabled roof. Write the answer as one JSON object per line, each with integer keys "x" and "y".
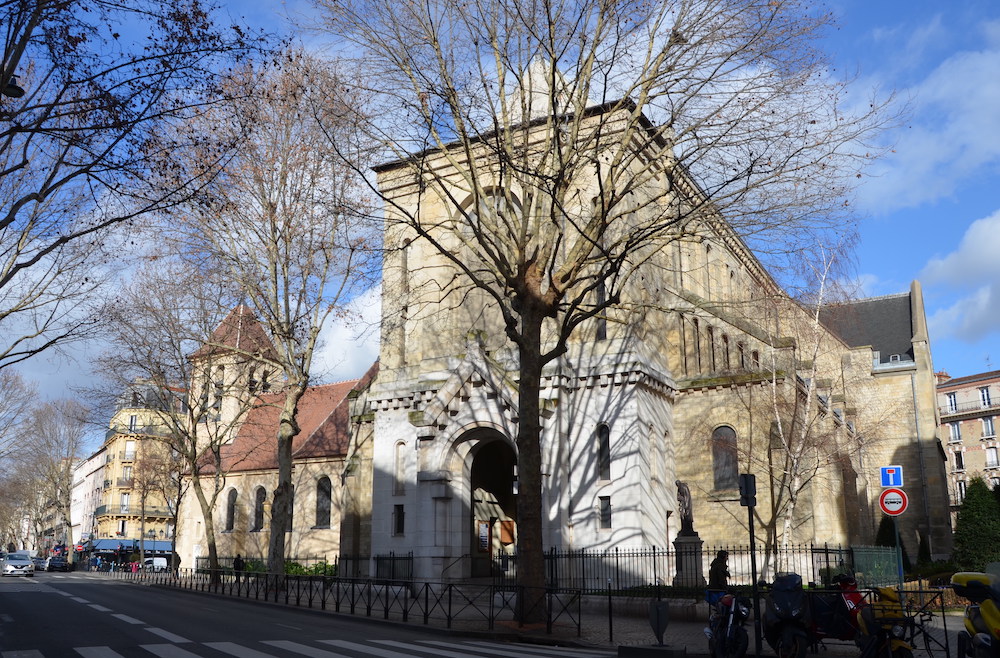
{"x": 240, "y": 331}
{"x": 323, "y": 418}
{"x": 884, "y": 323}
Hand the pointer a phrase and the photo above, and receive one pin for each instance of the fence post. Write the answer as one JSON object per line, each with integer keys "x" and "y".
{"x": 656, "y": 578}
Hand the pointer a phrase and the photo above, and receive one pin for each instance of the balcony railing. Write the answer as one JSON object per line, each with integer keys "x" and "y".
{"x": 967, "y": 407}
{"x": 138, "y": 430}
{"x": 132, "y": 510}
{"x": 125, "y": 482}
{"x": 127, "y": 456}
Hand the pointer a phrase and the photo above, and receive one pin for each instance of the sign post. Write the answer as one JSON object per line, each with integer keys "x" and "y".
{"x": 893, "y": 502}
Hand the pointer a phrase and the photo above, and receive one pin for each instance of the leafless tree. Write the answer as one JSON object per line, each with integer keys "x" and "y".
{"x": 821, "y": 412}
{"x": 54, "y": 441}
{"x": 163, "y": 349}
{"x": 17, "y": 395}
{"x": 559, "y": 146}
{"x": 286, "y": 223}
{"x": 89, "y": 90}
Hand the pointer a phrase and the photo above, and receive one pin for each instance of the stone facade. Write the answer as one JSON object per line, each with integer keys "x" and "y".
{"x": 706, "y": 370}
{"x": 968, "y": 407}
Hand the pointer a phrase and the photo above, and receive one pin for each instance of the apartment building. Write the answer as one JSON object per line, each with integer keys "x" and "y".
{"x": 969, "y": 408}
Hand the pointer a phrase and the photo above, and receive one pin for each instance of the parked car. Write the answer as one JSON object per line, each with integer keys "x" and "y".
{"x": 157, "y": 564}
{"x": 39, "y": 563}
{"x": 57, "y": 563}
{"x": 18, "y": 564}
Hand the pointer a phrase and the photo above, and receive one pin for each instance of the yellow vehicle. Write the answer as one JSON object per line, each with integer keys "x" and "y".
{"x": 882, "y": 627}
{"x": 981, "y": 636}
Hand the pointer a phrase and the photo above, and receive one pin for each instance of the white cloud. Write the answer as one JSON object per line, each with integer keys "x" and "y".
{"x": 974, "y": 261}
{"x": 954, "y": 135}
{"x": 970, "y": 318}
{"x": 973, "y": 271}
{"x": 349, "y": 343}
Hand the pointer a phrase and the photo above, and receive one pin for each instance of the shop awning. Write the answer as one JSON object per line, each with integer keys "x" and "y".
{"x": 112, "y": 545}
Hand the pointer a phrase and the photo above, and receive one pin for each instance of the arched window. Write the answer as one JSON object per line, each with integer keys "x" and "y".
{"x": 725, "y": 465}
{"x": 258, "y": 508}
{"x": 324, "y": 492}
{"x": 604, "y": 452}
{"x": 231, "y": 510}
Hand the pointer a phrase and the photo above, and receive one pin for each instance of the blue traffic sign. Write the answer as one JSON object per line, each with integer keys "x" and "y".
{"x": 892, "y": 476}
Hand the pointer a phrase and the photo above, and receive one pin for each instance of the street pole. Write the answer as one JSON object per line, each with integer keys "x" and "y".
{"x": 899, "y": 554}
{"x": 753, "y": 587}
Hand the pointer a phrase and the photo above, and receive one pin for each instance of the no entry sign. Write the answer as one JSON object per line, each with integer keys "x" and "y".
{"x": 893, "y": 501}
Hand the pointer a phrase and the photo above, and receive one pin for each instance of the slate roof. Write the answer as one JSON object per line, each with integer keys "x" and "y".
{"x": 239, "y": 331}
{"x": 324, "y": 431}
{"x": 885, "y": 323}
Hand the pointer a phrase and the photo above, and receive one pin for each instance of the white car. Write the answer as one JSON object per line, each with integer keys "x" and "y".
{"x": 18, "y": 564}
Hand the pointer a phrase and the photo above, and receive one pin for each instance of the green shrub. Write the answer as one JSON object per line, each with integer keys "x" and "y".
{"x": 977, "y": 530}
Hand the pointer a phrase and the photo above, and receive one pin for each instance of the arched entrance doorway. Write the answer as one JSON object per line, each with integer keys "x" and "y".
{"x": 494, "y": 515}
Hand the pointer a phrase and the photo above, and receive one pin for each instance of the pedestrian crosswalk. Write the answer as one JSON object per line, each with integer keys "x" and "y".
{"x": 331, "y": 648}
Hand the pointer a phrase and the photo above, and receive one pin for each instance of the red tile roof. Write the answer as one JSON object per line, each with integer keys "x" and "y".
{"x": 240, "y": 331}
{"x": 324, "y": 427}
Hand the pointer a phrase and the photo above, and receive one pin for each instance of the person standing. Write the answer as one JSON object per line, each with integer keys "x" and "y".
{"x": 238, "y": 566}
{"x": 718, "y": 572}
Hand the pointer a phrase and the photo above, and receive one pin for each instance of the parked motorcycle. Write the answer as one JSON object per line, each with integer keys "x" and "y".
{"x": 882, "y": 627}
{"x": 726, "y": 632}
{"x": 794, "y": 620}
{"x": 786, "y": 617}
{"x": 981, "y": 636}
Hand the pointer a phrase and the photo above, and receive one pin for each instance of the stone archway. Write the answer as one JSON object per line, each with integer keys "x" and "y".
{"x": 493, "y": 523}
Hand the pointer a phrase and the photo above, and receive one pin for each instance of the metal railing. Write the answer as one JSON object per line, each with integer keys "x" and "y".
{"x": 640, "y": 568}
{"x": 966, "y": 407}
{"x": 471, "y": 606}
{"x": 430, "y": 603}
{"x": 134, "y": 510}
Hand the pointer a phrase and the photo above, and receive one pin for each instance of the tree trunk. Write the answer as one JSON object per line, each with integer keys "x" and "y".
{"x": 206, "y": 513}
{"x": 530, "y": 551}
{"x": 281, "y": 505}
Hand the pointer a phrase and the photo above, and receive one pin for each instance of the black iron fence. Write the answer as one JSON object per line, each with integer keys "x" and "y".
{"x": 430, "y": 603}
{"x": 473, "y": 606}
{"x": 625, "y": 569}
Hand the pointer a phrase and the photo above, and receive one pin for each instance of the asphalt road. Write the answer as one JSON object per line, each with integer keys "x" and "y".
{"x": 56, "y": 614}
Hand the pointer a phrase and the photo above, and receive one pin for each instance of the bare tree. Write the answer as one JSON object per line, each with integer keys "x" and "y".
{"x": 17, "y": 395}
{"x": 821, "y": 412}
{"x": 89, "y": 89}
{"x": 286, "y": 224}
{"x": 169, "y": 338}
{"x": 54, "y": 440}
{"x": 559, "y": 146}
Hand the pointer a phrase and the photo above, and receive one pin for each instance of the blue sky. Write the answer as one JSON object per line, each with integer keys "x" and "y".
{"x": 931, "y": 209}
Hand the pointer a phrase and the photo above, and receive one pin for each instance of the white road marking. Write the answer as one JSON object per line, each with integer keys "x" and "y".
{"x": 167, "y": 635}
{"x": 97, "y": 652}
{"x": 99, "y": 608}
{"x": 237, "y": 650}
{"x": 169, "y": 651}
{"x": 127, "y": 619}
{"x": 303, "y": 649}
{"x": 374, "y": 651}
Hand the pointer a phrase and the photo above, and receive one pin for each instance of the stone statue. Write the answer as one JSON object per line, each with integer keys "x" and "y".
{"x": 684, "y": 508}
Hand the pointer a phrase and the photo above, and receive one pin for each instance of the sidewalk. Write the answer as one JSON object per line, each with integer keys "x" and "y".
{"x": 628, "y": 625}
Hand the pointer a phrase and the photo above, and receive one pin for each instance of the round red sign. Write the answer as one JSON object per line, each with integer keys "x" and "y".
{"x": 893, "y": 501}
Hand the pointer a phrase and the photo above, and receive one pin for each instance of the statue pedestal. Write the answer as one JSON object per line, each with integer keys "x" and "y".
{"x": 689, "y": 564}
